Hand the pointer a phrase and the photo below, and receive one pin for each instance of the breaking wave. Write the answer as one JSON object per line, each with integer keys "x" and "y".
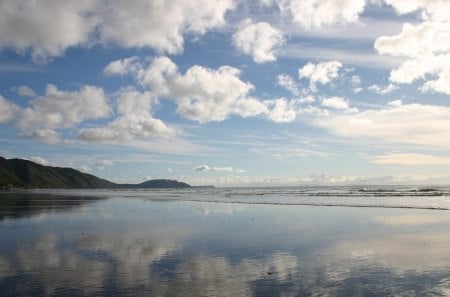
{"x": 386, "y": 196}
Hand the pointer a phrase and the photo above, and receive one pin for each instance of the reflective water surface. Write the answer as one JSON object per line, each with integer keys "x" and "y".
{"x": 51, "y": 245}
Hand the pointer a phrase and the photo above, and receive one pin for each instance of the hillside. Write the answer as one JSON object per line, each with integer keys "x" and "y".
{"x": 18, "y": 173}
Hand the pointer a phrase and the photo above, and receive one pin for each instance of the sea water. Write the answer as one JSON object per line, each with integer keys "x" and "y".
{"x": 425, "y": 197}
{"x": 315, "y": 241}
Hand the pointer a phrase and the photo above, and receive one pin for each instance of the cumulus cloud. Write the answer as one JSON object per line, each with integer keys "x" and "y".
{"x": 408, "y": 123}
{"x": 8, "y": 110}
{"x": 282, "y": 110}
{"x": 431, "y": 9}
{"x": 259, "y": 40}
{"x": 338, "y": 103}
{"x": 203, "y": 94}
{"x": 47, "y": 28}
{"x": 382, "y": 90}
{"x": 24, "y": 91}
{"x": 425, "y": 46}
{"x": 59, "y": 109}
{"x": 410, "y": 159}
{"x": 319, "y": 13}
{"x": 160, "y": 24}
{"x": 48, "y": 136}
{"x": 121, "y": 67}
{"x": 135, "y": 120}
{"x": 205, "y": 168}
{"x": 322, "y": 73}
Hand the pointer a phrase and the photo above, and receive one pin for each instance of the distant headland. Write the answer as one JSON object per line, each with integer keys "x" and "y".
{"x": 25, "y": 174}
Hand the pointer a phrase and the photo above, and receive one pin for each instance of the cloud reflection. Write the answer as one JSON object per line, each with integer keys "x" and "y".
{"x": 205, "y": 249}
{"x": 56, "y": 268}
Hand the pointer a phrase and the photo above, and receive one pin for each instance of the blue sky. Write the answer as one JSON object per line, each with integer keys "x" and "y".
{"x": 228, "y": 92}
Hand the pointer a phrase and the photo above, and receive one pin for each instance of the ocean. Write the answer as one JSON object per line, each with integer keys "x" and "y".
{"x": 293, "y": 241}
{"x": 425, "y": 197}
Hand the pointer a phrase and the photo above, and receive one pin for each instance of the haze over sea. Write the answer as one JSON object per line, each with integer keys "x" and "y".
{"x": 226, "y": 242}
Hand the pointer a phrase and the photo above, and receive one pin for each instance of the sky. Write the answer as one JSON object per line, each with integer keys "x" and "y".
{"x": 229, "y": 92}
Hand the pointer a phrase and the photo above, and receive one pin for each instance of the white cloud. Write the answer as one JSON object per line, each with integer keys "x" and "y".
{"x": 319, "y": 13}
{"x": 410, "y": 159}
{"x": 322, "y": 73}
{"x": 355, "y": 80}
{"x": 441, "y": 84}
{"x": 48, "y": 136}
{"x": 282, "y": 110}
{"x": 102, "y": 164}
{"x": 25, "y": 91}
{"x": 61, "y": 110}
{"x": 40, "y": 160}
{"x": 121, "y": 67}
{"x": 84, "y": 168}
{"x": 337, "y": 103}
{"x": 56, "y": 110}
{"x": 382, "y": 90}
{"x": 414, "y": 41}
{"x": 425, "y": 45}
{"x": 201, "y": 168}
{"x": 160, "y": 24}
{"x": 395, "y": 103}
{"x": 259, "y": 40}
{"x": 8, "y": 110}
{"x": 410, "y": 123}
{"x": 135, "y": 120}
{"x": 426, "y": 67}
{"x": 288, "y": 83}
{"x": 222, "y": 169}
{"x": 201, "y": 94}
{"x": 431, "y": 9}
{"x": 47, "y": 28}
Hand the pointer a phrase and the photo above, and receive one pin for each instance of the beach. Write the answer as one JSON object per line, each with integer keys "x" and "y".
{"x": 147, "y": 244}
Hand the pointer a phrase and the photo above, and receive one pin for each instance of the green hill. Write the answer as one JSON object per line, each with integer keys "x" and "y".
{"x": 18, "y": 173}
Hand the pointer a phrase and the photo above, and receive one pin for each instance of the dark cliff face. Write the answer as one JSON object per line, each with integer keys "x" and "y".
{"x": 18, "y": 173}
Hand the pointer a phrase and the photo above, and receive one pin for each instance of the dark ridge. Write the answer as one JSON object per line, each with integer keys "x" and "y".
{"x": 24, "y": 174}
{"x": 157, "y": 183}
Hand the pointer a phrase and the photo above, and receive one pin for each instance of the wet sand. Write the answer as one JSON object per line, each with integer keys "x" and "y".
{"x": 76, "y": 246}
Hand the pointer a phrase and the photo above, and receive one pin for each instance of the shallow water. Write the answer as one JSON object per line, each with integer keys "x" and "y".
{"x": 162, "y": 243}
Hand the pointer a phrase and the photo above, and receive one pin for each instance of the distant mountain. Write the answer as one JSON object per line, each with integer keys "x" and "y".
{"x": 157, "y": 183}
{"x": 18, "y": 173}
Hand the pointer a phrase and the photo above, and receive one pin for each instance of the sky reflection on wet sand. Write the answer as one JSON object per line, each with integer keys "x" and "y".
{"x": 174, "y": 248}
